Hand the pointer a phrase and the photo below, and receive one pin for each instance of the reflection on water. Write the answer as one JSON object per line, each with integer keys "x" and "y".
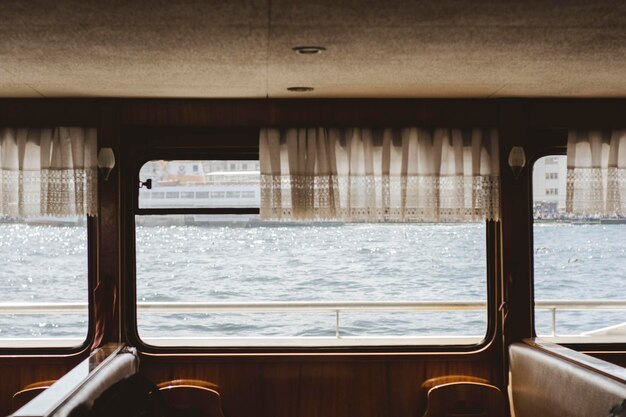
{"x": 43, "y": 264}
{"x": 351, "y": 262}
{"x": 579, "y": 262}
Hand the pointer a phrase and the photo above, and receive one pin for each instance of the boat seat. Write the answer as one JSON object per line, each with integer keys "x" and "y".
{"x": 122, "y": 366}
{"x": 29, "y": 392}
{"x": 547, "y": 384}
{"x": 192, "y": 398}
{"x": 465, "y": 399}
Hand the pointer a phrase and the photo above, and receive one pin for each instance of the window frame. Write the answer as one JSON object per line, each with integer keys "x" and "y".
{"x": 92, "y": 244}
{"x": 579, "y": 346}
{"x": 242, "y": 144}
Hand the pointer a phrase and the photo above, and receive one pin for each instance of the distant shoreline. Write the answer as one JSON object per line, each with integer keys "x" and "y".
{"x": 581, "y": 221}
{"x": 235, "y": 221}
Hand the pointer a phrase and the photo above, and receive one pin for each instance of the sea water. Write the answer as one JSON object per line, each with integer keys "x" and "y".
{"x": 342, "y": 262}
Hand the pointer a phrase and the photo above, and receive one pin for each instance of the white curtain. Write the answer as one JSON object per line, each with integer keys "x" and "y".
{"x": 48, "y": 172}
{"x": 380, "y": 175}
{"x": 596, "y": 173}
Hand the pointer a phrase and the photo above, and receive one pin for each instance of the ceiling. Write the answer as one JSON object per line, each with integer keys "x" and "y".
{"x": 243, "y": 48}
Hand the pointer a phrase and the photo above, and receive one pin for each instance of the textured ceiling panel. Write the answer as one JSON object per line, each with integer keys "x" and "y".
{"x": 138, "y": 58}
{"x": 138, "y": 90}
{"x": 17, "y": 90}
{"x": 243, "y": 48}
{"x": 411, "y": 61}
{"x": 395, "y": 91}
{"x": 76, "y": 13}
{"x": 477, "y": 13}
{"x": 563, "y": 90}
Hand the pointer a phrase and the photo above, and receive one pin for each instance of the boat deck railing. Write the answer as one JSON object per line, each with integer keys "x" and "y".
{"x": 295, "y": 306}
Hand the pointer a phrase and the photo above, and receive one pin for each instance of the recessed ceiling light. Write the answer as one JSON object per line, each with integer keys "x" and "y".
{"x": 309, "y": 50}
{"x": 300, "y": 89}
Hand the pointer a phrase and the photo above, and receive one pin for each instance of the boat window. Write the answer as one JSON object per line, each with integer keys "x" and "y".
{"x": 579, "y": 264}
{"x": 223, "y": 278}
{"x": 179, "y": 181}
{"x": 43, "y": 282}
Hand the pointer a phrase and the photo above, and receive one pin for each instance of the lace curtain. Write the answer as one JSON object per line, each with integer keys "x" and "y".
{"x": 380, "y": 175}
{"x": 596, "y": 173}
{"x": 48, "y": 172}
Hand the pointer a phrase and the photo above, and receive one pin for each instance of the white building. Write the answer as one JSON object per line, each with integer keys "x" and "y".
{"x": 549, "y": 185}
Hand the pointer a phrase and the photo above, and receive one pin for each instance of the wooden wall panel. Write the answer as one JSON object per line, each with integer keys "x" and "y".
{"x": 259, "y": 113}
{"x": 516, "y": 204}
{"x": 194, "y": 113}
{"x": 17, "y": 372}
{"x": 50, "y": 112}
{"x": 577, "y": 114}
{"x": 332, "y": 387}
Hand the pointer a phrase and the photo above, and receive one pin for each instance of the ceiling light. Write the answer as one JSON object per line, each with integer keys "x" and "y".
{"x": 309, "y": 50}
{"x": 300, "y": 89}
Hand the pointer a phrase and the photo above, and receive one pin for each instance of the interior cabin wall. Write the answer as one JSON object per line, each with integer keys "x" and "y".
{"x": 337, "y": 385}
{"x": 16, "y": 372}
{"x": 320, "y": 386}
{"x": 330, "y": 384}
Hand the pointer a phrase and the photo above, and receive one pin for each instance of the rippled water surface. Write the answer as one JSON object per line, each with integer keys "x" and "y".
{"x": 43, "y": 264}
{"x": 352, "y": 262}
{"x": 579, "y": 262}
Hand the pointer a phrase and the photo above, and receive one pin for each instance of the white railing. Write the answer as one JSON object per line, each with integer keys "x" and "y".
{"x": 577, "y": 305}
{"x": 292, "y": 306}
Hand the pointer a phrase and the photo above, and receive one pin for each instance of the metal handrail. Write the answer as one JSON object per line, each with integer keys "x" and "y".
{"x": 271, "y": 306}
{"x": 43, "y": 308}
{"x": 328, "y": 306}
{"x": 569, "y": 305}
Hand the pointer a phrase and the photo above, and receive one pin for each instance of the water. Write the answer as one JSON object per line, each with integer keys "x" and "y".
{"x": 579, "y": 262}
{"x": 43, "y": 264}
{"x": 354, "y": 262}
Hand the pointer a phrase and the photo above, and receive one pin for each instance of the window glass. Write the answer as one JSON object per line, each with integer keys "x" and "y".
{"x": 208, "y": 184}
{"x": 579, "y": 265}
{"x": 236, "y": 280}
{"x": 43, "y": 282}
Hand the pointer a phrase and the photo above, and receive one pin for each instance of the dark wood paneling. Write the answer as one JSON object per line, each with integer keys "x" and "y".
{"x": 168, "y": 141}
{"x": 577, "y": 114}
{"x": 384, "y": 113}
{"x": 339, "y": 112}
{"x": 17, "y": 372}
{"x": 516, "y": 225}
{"x": 50, "y": 112}
{"x": 194, "y": 113}
{"x": 542, "y": 113}
{"x": 109, "y": 245}
{"x": 335, "y": 387}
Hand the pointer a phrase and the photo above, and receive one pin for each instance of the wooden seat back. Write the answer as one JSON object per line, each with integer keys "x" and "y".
{"x": 192, "y": 398}
{"x": 29, "y": 392}
{"x": 465, "y": 399}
